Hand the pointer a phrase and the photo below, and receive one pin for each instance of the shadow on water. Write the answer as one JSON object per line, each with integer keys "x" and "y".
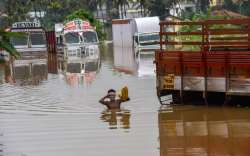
{"x": 203, "y": 131}
{"x": 116, "y": 119}
{"x": 1, "y": 145}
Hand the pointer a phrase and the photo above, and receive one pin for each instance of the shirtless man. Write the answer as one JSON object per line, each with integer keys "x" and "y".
{"x": 110, "y": 101}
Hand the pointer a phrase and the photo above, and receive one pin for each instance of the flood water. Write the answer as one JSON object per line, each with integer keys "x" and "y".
{"x": 56, "y": 114}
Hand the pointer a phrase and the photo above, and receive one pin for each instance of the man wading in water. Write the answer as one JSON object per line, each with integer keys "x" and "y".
{"x": 110, "y": 100}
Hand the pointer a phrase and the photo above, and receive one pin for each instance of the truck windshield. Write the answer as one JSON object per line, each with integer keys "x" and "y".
{"x": 90, "y": 37}
{"x": 20, "y": 41}
{"x": 72, "y": 37}
{"x": 37, "y": 39}
{"x": 147, "y": 37}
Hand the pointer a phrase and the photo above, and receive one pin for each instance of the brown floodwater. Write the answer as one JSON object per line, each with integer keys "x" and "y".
{"x": 45, "y": 114}
{"x": 203, "y": 131}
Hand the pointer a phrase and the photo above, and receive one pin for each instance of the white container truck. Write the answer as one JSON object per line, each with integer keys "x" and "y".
{"x": 140, "y": 33}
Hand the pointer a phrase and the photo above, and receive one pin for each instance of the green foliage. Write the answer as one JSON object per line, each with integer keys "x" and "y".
{"x": 85, "y": 15}
{"x": 228, "y": 4}
{"x": 240, "y": 6}
{"x": 57, "y": 10}
{"x": 245, "y": 8}
{"x": 15, "y": 10}
{"x": 6, "y": 45}
{"x": 197, "y": 28}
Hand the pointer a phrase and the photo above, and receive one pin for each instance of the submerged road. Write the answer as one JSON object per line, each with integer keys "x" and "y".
{"x": 60, "y": 115}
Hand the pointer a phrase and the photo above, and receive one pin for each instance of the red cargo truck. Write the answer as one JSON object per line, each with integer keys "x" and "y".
{"x": 210, "y": 60}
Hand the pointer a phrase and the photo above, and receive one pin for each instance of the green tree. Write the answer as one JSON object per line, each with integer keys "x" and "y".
{"x": 143, "y": 6}
{"x": 195, "y": 28}
{"x": 240, "y": 6}
{"x": 162, "y": 8}
{"x": 85, "y": 15}
{"x": 120, "y": 7}
{"x": 15, "y": 10}
{"x": 230, "y": 5}
{"x": 203, "y": 5}
{"x": 5, "y": 42}
{"x": 98, "y": 5}
{"x": 57, "y": 10}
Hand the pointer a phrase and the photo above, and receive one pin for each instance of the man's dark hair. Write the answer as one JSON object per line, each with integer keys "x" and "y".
{"x": 111, "y": 90}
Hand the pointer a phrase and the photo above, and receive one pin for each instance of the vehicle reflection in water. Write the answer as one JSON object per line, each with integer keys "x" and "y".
{"x": 85, "y": 71}
{"x": 136, "y": 63}
{"x": 124, "y": 60}
{"x": 30, "y": 75}
{"x": 24, "y": 74}
{"x": 116, "y": 118}
{"x": 204, "y": 131}
{"x": 1, "y": 149}
{"x": 1, "y": 76}
{"x": 146, "y": 65}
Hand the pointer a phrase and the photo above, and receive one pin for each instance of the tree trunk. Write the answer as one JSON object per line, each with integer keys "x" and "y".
{"x": 122, "y": 11}
{"x": 125, "y": 12}
{"x": 141, "y": 8}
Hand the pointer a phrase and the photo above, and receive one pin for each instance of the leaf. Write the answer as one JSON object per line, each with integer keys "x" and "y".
{"x": 11, "y": 34}
{"x": 9, "y": 48}
{"x": 2, "y": 61}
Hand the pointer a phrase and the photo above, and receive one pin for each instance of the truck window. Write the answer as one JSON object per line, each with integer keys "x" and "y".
{"x": 90, "y": 37}
{"x": 72, "y": 37}
{"x": 20, "y": 41}
{"x": 37, "y": 39}
{"x": 149, "y": 37}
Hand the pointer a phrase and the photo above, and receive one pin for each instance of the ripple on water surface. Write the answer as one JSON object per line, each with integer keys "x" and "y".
{"x": 61, "y": 116}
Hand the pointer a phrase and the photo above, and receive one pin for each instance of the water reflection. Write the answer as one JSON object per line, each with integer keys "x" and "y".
{"x": 124, "y": 60}
{"x": 2, "y": 75}
{"x": 204, "y": 131}
{"x": 1, "y": 149}
{"x": 90, "y": 71}
{"x": 137, "y": 63}
{"x": 81, "y": 70}
{"x": 24, "y": 74}
{"x": 116, "y": 118}
{"x": 30, "y": 75}
{"x": 1, "y": 144}
{"x": 55, "y": 119}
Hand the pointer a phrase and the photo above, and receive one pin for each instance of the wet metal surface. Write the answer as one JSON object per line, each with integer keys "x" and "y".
{"x": 60, "y": 115}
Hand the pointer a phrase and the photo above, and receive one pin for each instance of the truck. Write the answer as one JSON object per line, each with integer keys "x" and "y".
{"x": 32, "y": 45}
{"x": 76, "y": 41}
{"x": 140, "y": 33}
{"x": 215, "y": 69}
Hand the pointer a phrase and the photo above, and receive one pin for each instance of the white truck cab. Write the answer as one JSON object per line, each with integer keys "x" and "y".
{"x": 77, "y": 40}
{"x": 32, "y": 45}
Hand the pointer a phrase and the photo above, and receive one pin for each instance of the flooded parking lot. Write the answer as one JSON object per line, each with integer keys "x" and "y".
{"x": 59, "y": 114}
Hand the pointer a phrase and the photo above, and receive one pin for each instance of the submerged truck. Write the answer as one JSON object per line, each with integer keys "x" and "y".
{"x": 140, "y": 33}
{"x": 210, "y": 63}
{"x": 77, "y": 41}
{"x": 32, "y": 45}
